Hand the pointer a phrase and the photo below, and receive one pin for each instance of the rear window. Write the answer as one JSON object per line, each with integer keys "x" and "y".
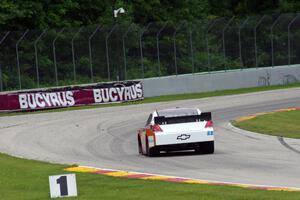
{"x": 176, "y": 120}
{"x": 182, "y": 119}
{"x": 178, "y": 112}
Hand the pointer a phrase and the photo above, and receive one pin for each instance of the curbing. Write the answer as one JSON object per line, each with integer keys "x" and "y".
{"x": 146, "y": 176}
{"x": 244, "y": 118}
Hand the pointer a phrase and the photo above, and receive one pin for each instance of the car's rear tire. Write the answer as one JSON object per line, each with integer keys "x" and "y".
{"x": 150, "y": 151}
{"x": 140, "y": 145}
{"x": 209, "y": 147}
{"x": 206, "y": 147}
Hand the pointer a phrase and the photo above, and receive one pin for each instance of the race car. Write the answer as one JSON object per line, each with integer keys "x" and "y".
{"x": 176, "y": 130}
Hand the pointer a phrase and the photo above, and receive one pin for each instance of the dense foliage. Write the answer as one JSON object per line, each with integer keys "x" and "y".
{"x": 186, "y": 36}
{"x": 36, "y": 14}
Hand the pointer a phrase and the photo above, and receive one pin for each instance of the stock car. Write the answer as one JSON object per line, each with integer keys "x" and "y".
{"x": 177, "y": 129}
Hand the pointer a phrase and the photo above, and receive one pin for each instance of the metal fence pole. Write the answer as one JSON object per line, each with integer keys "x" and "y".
{"x": 54, "y": 55}
{"x": 255, "y": 40}
{"x": 18, "y": 61}
{"x": 157, "y": 46}
{"x": 73, "y": 52}
{"x": 106, "y": 48}
{"x": 192, "y": 46}
{"x": 1, "y": 41}
{"x": 141, "y": 46}
{"x": 223, "y": 39}
{"x": 124, "y": 49}
{"x": 289, "y": 40}
{"x": 36, "y": 57}
{"x": 192, "y": 49}
{"x": 90, "y": 52}
{"x": 4, "y": 37}
{"x": 174, "y": 44}
{"x": 207, "y": 43}
{"x": 272, "y": 39}
{"x": 240, "y": 40}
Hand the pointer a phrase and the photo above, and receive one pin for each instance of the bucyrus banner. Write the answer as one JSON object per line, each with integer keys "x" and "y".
{"x": 71, "y": 96}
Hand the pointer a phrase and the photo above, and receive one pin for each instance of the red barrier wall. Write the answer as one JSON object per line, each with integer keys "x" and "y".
{"x": 71, "y": 96}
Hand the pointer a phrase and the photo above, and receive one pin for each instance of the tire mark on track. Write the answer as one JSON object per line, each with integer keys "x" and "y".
{"x": 11, "y": 126}
{"x": 283, "y": 142}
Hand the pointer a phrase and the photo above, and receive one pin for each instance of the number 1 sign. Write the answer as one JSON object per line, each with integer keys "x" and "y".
{"x": 63, "y": 185}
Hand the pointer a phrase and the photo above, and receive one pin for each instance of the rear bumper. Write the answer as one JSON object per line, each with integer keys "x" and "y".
{"x": 178, "y": 147}
{"x": 186, "y": 137}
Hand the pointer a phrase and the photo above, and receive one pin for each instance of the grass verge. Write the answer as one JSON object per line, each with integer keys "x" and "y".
{"x": 167, "y": 98}
{"x": 284, "y": 124}
{"x": 28, "y": 180}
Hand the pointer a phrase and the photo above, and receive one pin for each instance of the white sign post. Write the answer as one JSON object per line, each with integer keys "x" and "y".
{"x": 63, "y": 185}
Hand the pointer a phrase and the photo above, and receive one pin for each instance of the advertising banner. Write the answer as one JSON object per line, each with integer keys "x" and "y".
{"x": 71, "y": 96}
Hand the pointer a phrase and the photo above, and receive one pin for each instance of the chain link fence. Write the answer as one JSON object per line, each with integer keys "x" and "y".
{"x": 102, "y": 53}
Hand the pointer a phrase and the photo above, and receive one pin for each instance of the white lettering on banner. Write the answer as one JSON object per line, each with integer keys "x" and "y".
{"x": 42, "y": 100}
{"x": 118, "y": 94}
{"x": 97, "y": 96}
{"x": 127, "y": 94}
{"x": 105, "y": 95}
{"x": 112, "y": 94}
{"x": 62, "y": 99}
{"x": 70, "y": 98}
{"x": 47, "y": 99}
{"x": 31, "y": 101}
{"x": 133, "y": 92}
{"x": 54, "y": 99}
{"x": 22, "y": 101}
{"x": 139, "y": 90}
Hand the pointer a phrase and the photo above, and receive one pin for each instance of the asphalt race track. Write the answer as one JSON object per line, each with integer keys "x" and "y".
{"x": 106, "y": 138}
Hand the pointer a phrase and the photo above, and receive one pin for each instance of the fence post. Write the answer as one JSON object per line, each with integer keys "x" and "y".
{"x": 157, "y": 46}
{"x": 192, "y": 49}
{"x": 272, "y": 39}
{"x": 90, "y": 52}
{"x": 240, "y": 41}
{"x": 192, "y": 44}
{"x": 73, "y": 52}
{"x": 106, "y": 48}
{"x": 174, "y": 44}
{"x": 124, "y": 49}
{"x": 223, "y": 39}
{"x": 36, "y": 57}
{"x": 141, "y": 46}
{"x": 207, "y": 43}
{"x": 289, "y": 40}
{"x": 255, "y": 41}
{"x": 54, "y": 55}
{"x": 1, "y": 41}
{"x": 18, "y": 61}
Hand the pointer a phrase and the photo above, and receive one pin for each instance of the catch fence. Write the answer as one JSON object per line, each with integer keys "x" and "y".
{"x": 122, "y": 51}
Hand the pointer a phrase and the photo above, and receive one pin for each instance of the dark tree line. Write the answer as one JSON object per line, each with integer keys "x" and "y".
{"x": 37, "y": 14}
{"x": 61, "y": 42}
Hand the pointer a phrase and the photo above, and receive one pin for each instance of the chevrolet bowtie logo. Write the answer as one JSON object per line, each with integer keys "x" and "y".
{"x": 183, "y": 137}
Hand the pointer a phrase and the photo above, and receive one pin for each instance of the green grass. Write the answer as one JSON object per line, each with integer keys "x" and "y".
{"x": 167, "y": 98}
{"x": 284, "y": 124}
{"x": 27, "y": 179}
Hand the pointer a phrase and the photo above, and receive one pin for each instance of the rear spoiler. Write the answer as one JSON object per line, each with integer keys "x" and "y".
{"x": 190, "y": 118}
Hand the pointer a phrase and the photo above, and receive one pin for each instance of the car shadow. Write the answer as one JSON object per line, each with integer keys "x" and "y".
{"x": 179, "y": 153}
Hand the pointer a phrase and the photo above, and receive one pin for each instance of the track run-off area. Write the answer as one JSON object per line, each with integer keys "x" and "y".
{"x": 106, "y": 138}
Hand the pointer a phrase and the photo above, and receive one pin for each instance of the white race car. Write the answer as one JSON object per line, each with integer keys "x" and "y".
{"x": 177, "y": 129}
